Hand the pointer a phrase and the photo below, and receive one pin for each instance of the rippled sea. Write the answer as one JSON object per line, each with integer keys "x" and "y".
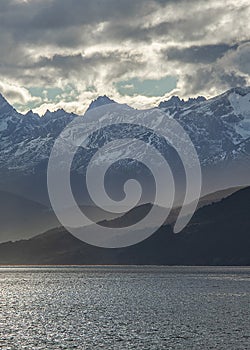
{"x": 124, "y": 308}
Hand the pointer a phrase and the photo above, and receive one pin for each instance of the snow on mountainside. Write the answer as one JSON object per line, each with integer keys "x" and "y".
{"x": 219, "y": 128}
{"x": 241, "y": 106}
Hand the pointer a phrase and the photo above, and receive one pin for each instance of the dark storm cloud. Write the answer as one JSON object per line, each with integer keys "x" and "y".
{"x": 198, "y": 54}
{"x": 76, "y": 61}
{"x": 170, "y": 28}
{"x": 66, "y": 64}
{"x": 71, "y": 23}
{"x": 208, "y": 78}
{"x": 61, "y": 14}
{"x": 74, "y": 23}
{"x": 68, "y": 13}
{"x": 50, "y": 14}
{"x": 228, "y": 69}
{"x": 241, "y": 58}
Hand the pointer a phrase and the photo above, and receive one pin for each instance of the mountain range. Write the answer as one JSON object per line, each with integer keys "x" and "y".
{"x": 218, "y": 127}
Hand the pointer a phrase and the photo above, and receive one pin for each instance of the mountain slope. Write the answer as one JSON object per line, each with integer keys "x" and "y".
{"x": 21, "y": 217}
{"x": 219, "y": 234}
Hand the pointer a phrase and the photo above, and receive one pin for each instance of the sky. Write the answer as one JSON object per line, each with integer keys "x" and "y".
{"x": 65, "y": 53}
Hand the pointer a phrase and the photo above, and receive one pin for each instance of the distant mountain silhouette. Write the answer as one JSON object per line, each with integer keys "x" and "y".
{"x": 219, "y": 234}
{"x": 21, "y": 217}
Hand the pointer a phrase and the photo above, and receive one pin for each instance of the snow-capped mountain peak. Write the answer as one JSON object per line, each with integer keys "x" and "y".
{"x": 100, "y": 101}
{"x": 175, "y": 103}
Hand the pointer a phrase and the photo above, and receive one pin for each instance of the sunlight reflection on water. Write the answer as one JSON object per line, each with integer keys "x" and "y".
{"x": 124, "y": 308}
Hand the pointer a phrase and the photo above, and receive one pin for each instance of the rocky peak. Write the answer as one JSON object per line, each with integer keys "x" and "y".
{"x": 100, "y": 101}
{"x": 5, "y": 107}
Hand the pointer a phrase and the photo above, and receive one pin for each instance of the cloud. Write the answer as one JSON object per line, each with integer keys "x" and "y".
{"x": 232, "y": 68}
{"x": 17, "y": 95}
{"x": 198, "y": 54}
{"x": 66, "y": 52}
{"x": 239, "y": 59}
{"x": 211, "y": 79}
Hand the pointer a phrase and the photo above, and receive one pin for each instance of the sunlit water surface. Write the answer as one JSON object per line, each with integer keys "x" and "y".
{"x": 124, "y": 308}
